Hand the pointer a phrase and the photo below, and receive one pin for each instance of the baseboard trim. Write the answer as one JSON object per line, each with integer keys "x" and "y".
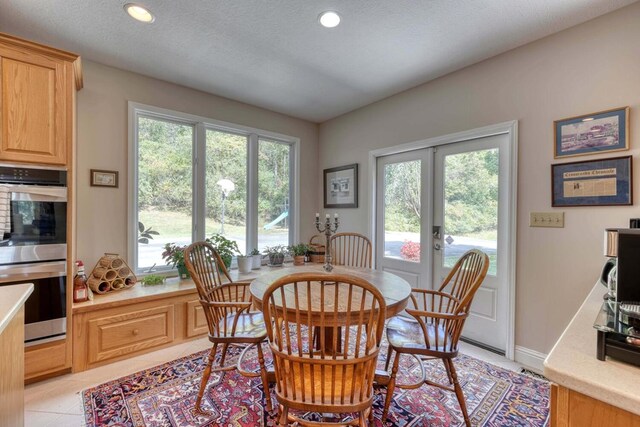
{"x": 530, "y": 359}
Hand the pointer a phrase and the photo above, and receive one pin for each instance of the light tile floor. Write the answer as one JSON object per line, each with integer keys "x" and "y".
{"x": 57, "y": 402}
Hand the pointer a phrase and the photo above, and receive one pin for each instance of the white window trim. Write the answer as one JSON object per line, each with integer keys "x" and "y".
{"x": 201, "y": 124}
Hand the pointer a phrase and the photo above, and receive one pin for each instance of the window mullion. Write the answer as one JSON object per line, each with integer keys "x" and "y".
{"x": 199, "y": 184}
{"x": 252, "y": 192}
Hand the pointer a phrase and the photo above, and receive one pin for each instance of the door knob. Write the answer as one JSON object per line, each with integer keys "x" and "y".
{"x": 437, "y": 246}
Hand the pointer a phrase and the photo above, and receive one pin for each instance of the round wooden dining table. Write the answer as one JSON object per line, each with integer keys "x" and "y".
{"x": 394, "y": 289}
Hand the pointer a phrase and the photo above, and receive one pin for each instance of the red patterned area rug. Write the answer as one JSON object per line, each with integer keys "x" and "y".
{"x": 165, "y": 396}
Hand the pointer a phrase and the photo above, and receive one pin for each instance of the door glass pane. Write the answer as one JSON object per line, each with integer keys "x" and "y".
{"x": 471, "y": 205}
{"x": 273, "y": 193}
{"x": 164, "y": 188}
{"x": 402, "y": 188}
{"x": 226, "y": 186}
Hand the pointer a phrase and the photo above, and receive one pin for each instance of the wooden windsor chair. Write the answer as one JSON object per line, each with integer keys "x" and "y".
{"x": 227, "y": 310}
{"x": 351, "y": 249}
{"x": 320, "y": 380}
{"x": 434, "y": 331}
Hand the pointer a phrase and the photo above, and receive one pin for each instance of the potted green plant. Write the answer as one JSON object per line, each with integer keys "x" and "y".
{"x": 245, "y": 263}
{"x": 257, "y": 258}
{"x": 225, "y": 247}
{"x": 174, "y": 256}
{"x": 276, "y": 254}
{"x": 298, "y": 251}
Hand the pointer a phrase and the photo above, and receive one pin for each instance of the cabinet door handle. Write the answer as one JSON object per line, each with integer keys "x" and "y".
{"x": 135, "y": 332}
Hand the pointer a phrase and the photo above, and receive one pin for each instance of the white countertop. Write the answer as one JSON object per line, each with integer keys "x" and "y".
{"x": 12, "y": 297}
{"x": 572, "y": 362}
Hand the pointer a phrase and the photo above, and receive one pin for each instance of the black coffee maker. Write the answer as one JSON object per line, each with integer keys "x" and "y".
{"x": 621, "y": 271}
{"x": 628, "y": 266}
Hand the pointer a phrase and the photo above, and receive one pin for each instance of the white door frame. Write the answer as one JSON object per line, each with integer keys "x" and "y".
{"x": 509, "y": 128}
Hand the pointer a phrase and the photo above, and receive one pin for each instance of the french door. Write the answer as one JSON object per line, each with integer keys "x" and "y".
{"x": 434, "y": 204}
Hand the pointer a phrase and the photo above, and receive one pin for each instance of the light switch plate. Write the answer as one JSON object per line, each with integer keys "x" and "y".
{"x": 546, "y": 219}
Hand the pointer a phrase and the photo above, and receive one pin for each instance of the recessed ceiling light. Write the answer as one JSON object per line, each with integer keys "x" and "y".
{"x": 139, "y": 13}
{"x": 329, "y": 19}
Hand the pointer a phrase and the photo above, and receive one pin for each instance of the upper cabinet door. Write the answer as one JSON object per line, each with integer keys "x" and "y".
{"x": 33, "y": 96}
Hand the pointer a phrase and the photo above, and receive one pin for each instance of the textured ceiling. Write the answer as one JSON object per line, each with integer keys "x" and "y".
{"x": 274, "y": 54}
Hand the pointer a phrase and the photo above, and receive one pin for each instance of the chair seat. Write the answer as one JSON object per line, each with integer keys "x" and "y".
{"x": 250, "y": 325}
{"x": 404, "y": 333}
{"x": 307, "y": 379}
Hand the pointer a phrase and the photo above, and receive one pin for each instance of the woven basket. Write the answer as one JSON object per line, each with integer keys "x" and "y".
{"x": 316, "y": 251}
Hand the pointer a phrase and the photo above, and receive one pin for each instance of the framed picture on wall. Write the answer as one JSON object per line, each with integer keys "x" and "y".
{"x": 101, "y": 178}
{"x": 601, "y": 132}
{"x": 341, "y": 187}
{"x": 603, "y": 182}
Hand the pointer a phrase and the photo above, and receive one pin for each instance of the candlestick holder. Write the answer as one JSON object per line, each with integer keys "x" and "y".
{"x": 328, "y": 230}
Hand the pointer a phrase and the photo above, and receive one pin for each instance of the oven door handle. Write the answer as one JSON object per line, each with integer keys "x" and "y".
{"x": 12, "y": 273}
{"x": 37, "y": 193}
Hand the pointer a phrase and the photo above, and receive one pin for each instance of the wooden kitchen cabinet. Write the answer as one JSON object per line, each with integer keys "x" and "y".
{"x": 129, "y": 331}
{"x": 572, "y": 409}
{"x": 196, "y": 320}
{"x": 135, "y": 321}
{"x": 37, "y": 102}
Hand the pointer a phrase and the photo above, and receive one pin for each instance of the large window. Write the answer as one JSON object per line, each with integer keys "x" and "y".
{"x": 192, "y": 177}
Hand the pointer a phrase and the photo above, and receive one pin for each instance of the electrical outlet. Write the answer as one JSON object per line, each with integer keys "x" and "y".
{"x": 546, "y": 219}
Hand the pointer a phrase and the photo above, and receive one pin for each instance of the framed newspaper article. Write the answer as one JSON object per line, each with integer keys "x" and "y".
{"x": 602, "y": 182}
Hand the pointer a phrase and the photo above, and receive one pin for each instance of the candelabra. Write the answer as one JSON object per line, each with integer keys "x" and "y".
{"x": 328, "y": 230}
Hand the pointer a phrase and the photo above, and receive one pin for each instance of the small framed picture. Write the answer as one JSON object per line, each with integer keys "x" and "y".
{"x": 100, "y": 178}
{"x": 601, "y": 132}
{"x": 341, "y": 187}
{"x": 603, "y": 182}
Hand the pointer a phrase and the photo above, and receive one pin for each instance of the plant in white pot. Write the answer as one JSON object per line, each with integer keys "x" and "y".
{"x": 257, "y": 258}
{"x": 245, "y": 263}
{"x": 276, "y": 254}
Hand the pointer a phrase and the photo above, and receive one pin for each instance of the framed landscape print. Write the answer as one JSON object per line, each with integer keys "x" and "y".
{"x": 341, "y": 187}
{"x": 603, "y": 182}
{"x": 592, "y": 133}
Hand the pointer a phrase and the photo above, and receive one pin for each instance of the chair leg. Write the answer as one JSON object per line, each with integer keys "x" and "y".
{"x": 263, "y": 374}
{"x": 224, "y": 353}
{"x": 445, "y": 361}
{"x": 205, "y": 379}
{"x": 391, "y": 387}
{"x": 363, "y": 419}
{"x": 386, "y": 363}
{"x": 284, "y": 416}
{"x": 459, "y": 394}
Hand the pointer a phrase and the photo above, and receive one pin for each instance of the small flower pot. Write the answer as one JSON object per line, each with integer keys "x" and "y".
{"x": 298, "y": 260}
{"x": 276, "y": 260}
{"x": 257, "y": 260}
{"x": 183, "y": 272}
{"x": 245, "y": 264}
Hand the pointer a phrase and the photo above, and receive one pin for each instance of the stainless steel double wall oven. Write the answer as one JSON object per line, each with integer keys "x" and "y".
{"x": 33, "y": 246}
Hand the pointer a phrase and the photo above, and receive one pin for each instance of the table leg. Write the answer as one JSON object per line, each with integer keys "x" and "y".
{"x": 328, "y": 339}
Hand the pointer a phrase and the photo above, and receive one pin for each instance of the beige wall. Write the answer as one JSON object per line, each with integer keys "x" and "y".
{"x": 589, "y": 68}
{"x": 103, "y": 139}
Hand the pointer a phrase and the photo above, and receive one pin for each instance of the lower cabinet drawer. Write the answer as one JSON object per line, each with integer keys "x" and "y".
{"x": 44, "y": 359}
{"x": 130, "y": 332}
{"x": 196, "y": 320}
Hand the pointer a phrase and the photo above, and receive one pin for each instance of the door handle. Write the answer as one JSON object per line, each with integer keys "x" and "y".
{"x": 437, "y": 246}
